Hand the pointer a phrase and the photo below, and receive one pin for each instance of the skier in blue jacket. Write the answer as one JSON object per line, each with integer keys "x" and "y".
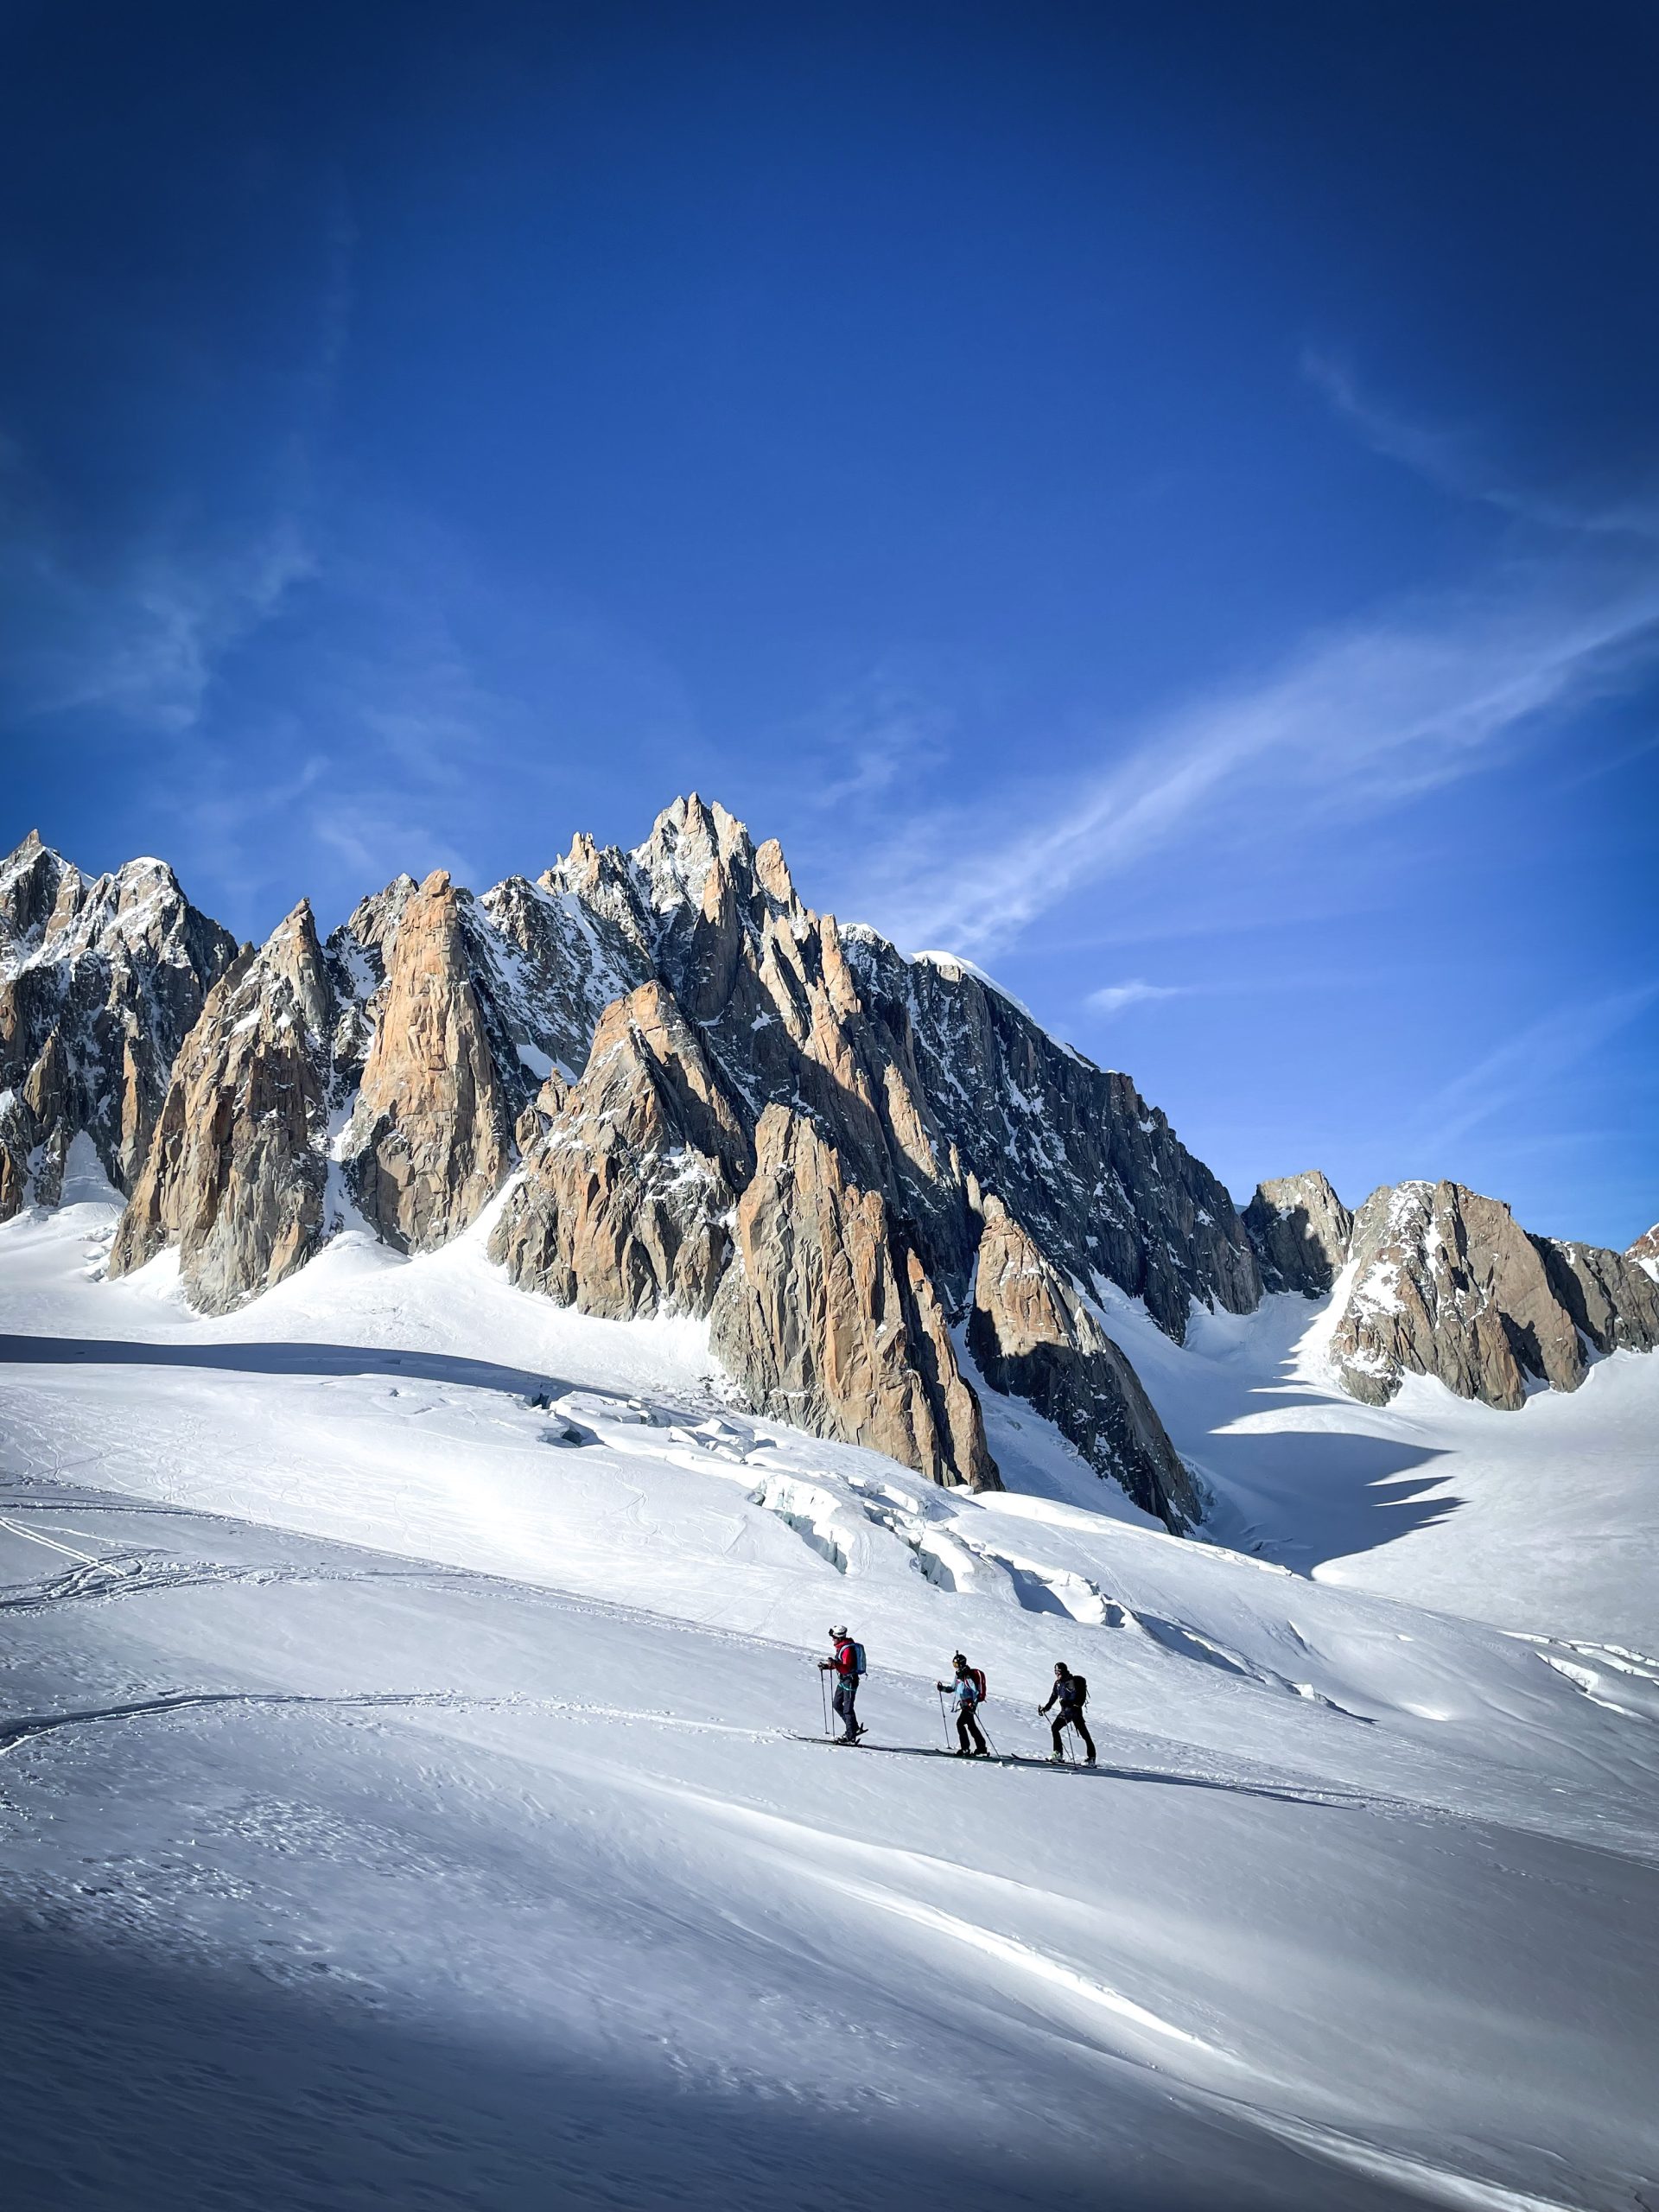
{"x": 964, "y": 1695}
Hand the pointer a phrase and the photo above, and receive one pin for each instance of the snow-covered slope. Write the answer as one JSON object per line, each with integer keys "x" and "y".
{"x": 404, "y": 1804}
{"x": 1542, "y": 1519}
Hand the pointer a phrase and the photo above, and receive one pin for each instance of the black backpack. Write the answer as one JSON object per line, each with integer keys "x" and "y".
{"x": 1080, "y": 1690}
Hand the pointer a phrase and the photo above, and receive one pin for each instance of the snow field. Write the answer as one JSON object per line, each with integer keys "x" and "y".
{"x": 402, "y": 1800}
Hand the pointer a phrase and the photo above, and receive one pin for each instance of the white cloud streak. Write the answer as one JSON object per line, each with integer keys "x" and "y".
{"x": 1354, "y": 724}
{"x": 1453, "y": 460}
{"x": 1114, "y": 998}
{"x": 1546, "y": 1048}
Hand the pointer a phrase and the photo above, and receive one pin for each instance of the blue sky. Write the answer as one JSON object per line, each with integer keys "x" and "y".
{"x": 1163, "y": 499}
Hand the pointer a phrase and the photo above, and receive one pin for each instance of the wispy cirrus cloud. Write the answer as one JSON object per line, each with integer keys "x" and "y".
{"x": 1456, "y": 461}
{"x": 1546, "y": 1048}
{"x": 1354, "y": 723}
{"x": 134, "y": 622}
{"x": 874, "y": 738}
{"x": 1116, "y": 998}
{"x": 142, "y": 645}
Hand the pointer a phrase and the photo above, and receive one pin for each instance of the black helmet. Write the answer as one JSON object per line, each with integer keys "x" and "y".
{"x": 958, "y": 1659}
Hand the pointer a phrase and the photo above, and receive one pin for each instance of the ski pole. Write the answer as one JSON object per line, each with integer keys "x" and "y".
{"x": 943, "y": 1723}
{"x": 823, "y": 1695}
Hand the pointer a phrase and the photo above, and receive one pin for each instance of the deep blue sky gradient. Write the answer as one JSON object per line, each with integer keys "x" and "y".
{"x": 1162, "y": 498}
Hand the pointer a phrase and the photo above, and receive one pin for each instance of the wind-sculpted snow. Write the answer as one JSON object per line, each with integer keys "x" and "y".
{"x": 410, "y": 1794}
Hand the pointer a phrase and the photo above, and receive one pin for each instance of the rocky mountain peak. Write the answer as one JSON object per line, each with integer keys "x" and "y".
{"x": 235, "y": 1174}
{"x": 100, "y": 980}
{"x": 694, "y": 1094}
{"x": 1300, "y": 1230}
{"x": 430, "y": 1138}
{"x": 690, "y": 842}
{"x": 1034, "y": 1337}
{"x": 1444, "y": 1282}
{"x": 624, "y": 1203}
{"x": 772, "y": 873}
{"x": 31, "y": 878}
{"x": 374, "y": 920}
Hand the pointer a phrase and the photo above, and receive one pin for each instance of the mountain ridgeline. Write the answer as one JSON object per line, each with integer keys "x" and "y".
{"x": 882, "y": 1184}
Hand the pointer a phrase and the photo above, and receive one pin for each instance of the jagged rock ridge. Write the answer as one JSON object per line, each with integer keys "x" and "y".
{"x": 101, "y": 979}
{"x": 629, "y": 1178}
{"x": 609, "y": 1041}
{"x": 692, "y": 1093}
{"x": 1436, "y": 1279}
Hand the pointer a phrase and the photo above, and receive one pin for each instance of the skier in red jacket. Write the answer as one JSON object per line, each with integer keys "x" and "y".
{"x": 845, "y": 1669}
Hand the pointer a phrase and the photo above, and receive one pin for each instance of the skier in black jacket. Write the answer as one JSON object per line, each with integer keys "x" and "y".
{"x": 1069, "y": 1693}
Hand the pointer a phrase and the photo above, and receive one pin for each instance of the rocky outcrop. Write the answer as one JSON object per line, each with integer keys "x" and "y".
{"x": 699, "y": 1095}
{"x": 1645, "y": 1251}
{"x": 933, "y": 1081}
{"x": 828, "y": 1318}
{"x": 1299, "y": 1230}
{"x": 1446, "y": 1284}
{"x": 1097, "y": 1176}
{"x": 100, "y": 981}
{"x": 629, "y": 1182}
{"x": 1033, "y": 1337}
{"x": 769, "y": 983}
{"x": 236, "y": 1173}
{"x": 1609, "y": 1297}
{"x": 430, "y": 1138}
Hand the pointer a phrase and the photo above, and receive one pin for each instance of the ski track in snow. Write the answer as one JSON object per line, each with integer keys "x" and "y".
{"x": 459, "y": 1714}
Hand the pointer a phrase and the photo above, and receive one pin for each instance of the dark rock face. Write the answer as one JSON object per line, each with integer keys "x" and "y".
{"x": 1446, "y": 1284}
{"x": 830, "y": 1321}
{"x": 100, "y": 980}
{"x": 1609, "y": 1297}
{"x": 1095, "y": 1175}
{"x": 1300, "y": 1231}
{"x": 1033, "y": 1338}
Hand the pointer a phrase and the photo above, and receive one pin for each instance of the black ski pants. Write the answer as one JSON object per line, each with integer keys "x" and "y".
{"x": 1072, "y": 1719}
{"x": 968, "y": 1736}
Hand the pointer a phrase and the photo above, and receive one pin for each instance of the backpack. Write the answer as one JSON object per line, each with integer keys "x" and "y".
{"x": 858, "y": 1659}
{"x": 1080, "y": 1684}
{"x": 977, "y": 1677}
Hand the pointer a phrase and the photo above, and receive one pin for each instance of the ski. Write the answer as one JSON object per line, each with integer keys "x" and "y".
{"x": 934, "y": 1751}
